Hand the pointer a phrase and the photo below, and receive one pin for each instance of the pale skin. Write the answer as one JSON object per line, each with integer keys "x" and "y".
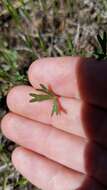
{"x": 61, "y": 152}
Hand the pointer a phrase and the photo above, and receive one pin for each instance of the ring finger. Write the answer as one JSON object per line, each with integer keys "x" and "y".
{"x": 69, "y": 150}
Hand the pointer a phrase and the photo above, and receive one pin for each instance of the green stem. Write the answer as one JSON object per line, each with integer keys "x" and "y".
{"x": 5, "y": 182}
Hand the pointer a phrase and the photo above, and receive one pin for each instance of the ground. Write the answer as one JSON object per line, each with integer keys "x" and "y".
{"x": 30, "y": 29}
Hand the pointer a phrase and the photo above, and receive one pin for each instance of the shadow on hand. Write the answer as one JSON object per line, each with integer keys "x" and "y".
{"x": 92, "y": 85}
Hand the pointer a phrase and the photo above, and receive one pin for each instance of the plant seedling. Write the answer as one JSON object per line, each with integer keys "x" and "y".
{"x": 47, "y": 93}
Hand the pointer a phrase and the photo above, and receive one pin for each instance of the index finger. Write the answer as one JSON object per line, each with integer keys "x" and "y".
{"x": 78, "y": 77}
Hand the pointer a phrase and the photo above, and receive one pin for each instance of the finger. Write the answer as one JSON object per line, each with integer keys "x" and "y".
{"x": 49, "y": 175}
{"x": 57, "y": 145}
{"x": 60, "y": 73}
{"x": 77, "y": 77}
{"x": 44, "y": 173}
{"x": 68, "y": 150}
{"x": 81, "y": 119}
{"x": 18, "y": 102}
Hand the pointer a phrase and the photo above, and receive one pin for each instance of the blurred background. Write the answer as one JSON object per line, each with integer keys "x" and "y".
{"x": 30, "y": 29}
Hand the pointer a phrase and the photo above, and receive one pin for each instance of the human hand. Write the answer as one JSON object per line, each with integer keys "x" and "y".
{"x": 65, "y": 151}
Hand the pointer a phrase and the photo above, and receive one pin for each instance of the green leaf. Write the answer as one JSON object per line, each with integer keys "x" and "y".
{"x": 103, "y": 41}
{"x": 55, "y": 107}
{"x": 101, "y": 52}
{"x": 9, "y": 56}
{"x": 21, "y": 182}
{"x": 11, "y": 9}
{"x": 39, "y": 97}
{"x": 48, "y": 94}
{"x": 43, "y": 86}
{"x": 45, "y": 90}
